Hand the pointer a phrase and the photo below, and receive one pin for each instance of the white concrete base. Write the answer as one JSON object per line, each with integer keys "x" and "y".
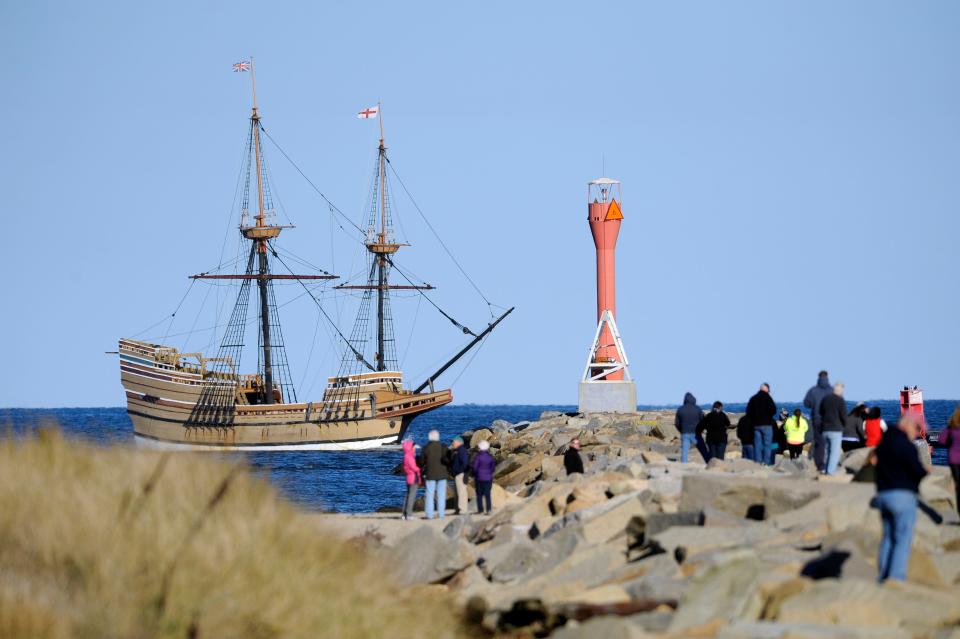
{"x": 608, "y": 397}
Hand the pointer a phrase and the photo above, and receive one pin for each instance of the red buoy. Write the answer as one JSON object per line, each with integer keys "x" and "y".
{"x": 911, "y": 403}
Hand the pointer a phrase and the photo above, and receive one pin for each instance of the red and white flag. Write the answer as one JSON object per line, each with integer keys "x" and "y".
{"x": 241, "y": 66}
{"x": 368, "y": 113}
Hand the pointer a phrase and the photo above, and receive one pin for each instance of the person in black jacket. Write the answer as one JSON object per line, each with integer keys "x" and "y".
{"x": 459, "y": 464}
{"x": 435, "y": 472}
{"x": 745, "y": 435}
{"x": 687, "y": 419}
{"x": 833, "y": 417}
{"x": 812, "y": 402}
{"x": 854, "y": 436}
{"x": 762, "y": 413}
{"x": 716, "y": 424}
{"x": 898, "y": 475}
{"x": 572, "y": 461}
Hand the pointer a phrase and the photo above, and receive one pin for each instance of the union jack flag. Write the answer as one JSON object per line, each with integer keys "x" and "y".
{"x": 239, "y": 67}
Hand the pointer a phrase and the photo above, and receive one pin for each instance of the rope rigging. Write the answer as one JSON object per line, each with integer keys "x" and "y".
{"x": 437, "y": 236}
{"x": 333, "y": 207}
{"x": 357, "y": 354}
{"x": 463, "y": 328}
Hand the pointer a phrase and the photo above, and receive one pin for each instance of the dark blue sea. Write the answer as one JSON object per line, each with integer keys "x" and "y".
{"x": 353, "y": 481}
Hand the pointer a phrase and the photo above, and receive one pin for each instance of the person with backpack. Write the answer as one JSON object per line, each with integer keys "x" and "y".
{"x": 762, "y": 411}
{"x": 433, "y": 464}
{"x": 950, "y": 437}
{"x": 459, "y": 465}
{"x": 483, "y": 467}
{"x": 412, "y": 473}
{"x": 795, "y": 429}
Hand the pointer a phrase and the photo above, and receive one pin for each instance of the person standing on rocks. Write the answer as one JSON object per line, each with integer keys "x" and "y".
{"x": 483, "y": 466}
{"x": 853, "y": 435}
{"x": 812, "y": 403}
{"x": 898, "y": 475}
{"x": 795, "y": 429}
{"x": 950, "y": 437}
{"x": 873, "y": 426}
{"x": 412, "y": 472}
{"x": 688, "y": 418}
{"x": 459, "y": 465}
{"x": 833, "y": 417}
{"x": 716, "y": 424}
{"x": 572, "y": 461}
{"x": 762, "y": 413}
{"x": 433, "y": 456}
{"x": 745, "y": 435}
{"x": 779, "y": 435}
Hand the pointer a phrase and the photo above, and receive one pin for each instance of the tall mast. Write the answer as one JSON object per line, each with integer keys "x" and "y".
{"x": 381, "y": 245}
{"x": 381, "y": 257}
{"x": 260, "y": 235}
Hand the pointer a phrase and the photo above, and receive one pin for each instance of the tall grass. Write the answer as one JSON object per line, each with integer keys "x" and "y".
{"x": 114, "y": 542}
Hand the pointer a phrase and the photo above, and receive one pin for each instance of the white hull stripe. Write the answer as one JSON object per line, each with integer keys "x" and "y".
{"x": 156, "y": 444}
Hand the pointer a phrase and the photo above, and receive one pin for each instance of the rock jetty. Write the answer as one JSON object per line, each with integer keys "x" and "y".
{"x": 641, "y": 545}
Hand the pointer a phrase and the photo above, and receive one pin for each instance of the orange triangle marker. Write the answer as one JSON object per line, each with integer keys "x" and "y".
{"x": 613, "y": 212}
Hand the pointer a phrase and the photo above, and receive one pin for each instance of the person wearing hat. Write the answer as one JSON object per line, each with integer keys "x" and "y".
{"x": 459, "y": 464}
{"x": 483, "y": 467}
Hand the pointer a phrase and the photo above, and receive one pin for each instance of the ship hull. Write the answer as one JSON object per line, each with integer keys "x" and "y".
{"x": 163, "y": 402}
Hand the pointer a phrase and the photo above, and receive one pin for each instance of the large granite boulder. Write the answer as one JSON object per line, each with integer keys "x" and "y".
{"x": 725, "y": 591}
{"x": 426, "y": 555}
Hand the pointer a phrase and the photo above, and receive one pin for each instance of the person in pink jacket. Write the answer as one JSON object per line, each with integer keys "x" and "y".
{"x": 412, "y": 471}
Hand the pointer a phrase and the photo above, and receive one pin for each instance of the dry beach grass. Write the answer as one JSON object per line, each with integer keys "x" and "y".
{"x": 113, "y": 542}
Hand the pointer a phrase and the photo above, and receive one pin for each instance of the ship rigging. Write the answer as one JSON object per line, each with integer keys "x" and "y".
{"x": 185, "y": 398}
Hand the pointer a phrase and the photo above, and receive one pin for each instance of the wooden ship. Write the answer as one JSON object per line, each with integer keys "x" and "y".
{"x": 181, "y": 399}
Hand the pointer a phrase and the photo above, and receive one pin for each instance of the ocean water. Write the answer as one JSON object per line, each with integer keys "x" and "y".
{"x": 348, "y": 481}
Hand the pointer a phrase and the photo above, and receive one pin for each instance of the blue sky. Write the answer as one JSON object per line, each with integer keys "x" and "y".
{"x": 790, "y": 180}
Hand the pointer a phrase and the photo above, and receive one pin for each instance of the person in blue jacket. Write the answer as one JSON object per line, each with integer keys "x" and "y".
{"x": 459, "y": 465}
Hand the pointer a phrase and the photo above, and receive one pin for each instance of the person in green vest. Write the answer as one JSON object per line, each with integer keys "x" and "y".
{"x": 795, "y": 428}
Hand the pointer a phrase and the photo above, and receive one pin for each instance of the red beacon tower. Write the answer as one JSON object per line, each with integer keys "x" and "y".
{"x": 606, "y": 385}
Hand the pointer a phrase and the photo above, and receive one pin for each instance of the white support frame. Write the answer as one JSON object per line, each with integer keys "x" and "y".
{"x": 606, "y": 367}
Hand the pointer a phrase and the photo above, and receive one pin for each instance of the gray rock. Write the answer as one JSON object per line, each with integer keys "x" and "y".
{"x": 863, "y": 602}
{"x": 777, "y": 630}
{"x": 501, "y": 426}
{"x": 550, "y": 414}
{"x": 458, "y": 527}
{"x": 855, "y": 459}
{"x": 687, "y": 541}
{"x": 644, "y": 527}
{"x": 606, "y": 627}
{"x": 426, "y": 555}
{"x": 728, "y": 590}
{"x": 752, "y": 498}
{"x": 657, "y": 587}
{"x": 519, "y": 559}
{"x": 509, "y": 563}
{"x": 800, "y": 466}
{"x": 734, "y": 465}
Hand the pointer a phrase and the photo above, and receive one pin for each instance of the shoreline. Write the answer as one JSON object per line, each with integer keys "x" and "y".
{"x": 644, "y": 545}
